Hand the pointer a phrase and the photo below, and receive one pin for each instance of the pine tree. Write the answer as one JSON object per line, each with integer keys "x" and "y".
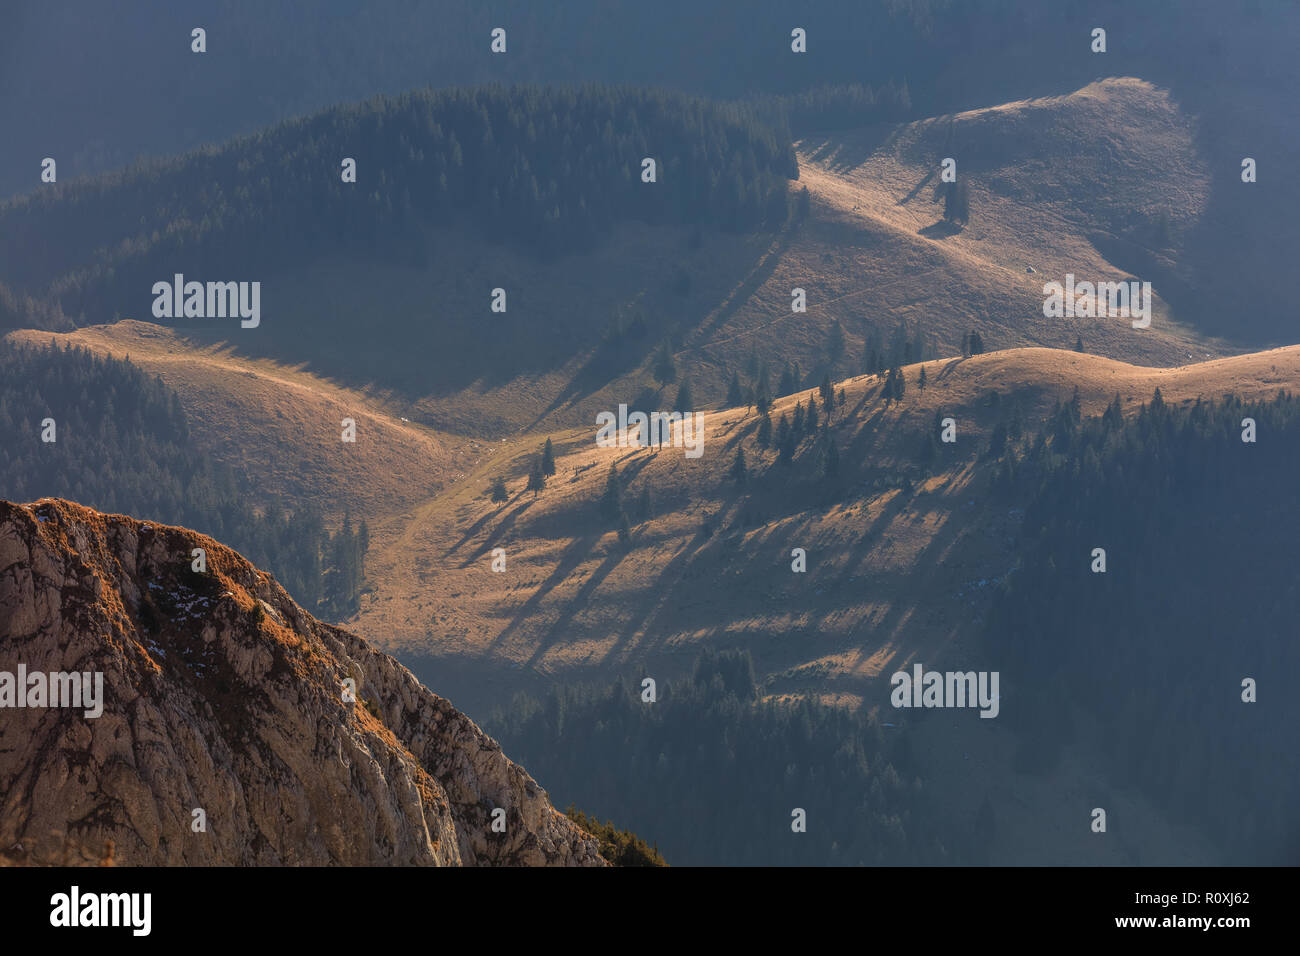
{"x": 548, "y": 458}
{"x": 956, "y": 203}
{"x": 498, "y": 491}
{"x": 998, "y": 440}
{"x": 976, "y": 344}
{"x": 835, "y": 342}
{"x": 920, "y": 384}
{"x": 685, "y": 401}
{"x": 784, "y": 437}
{"x": 611, "y": 502}
{"x": 536, "y": 478}
{"x": 787, "y": 385}
{"x": 919, "y": 347}
{"x": 827, "y": 393}
{"x": 738, "y": 469}
{"x": 665, "y": 368}
{"x": 735, "y": 397}
{"x": 765, "y": 430}
{"x": 830, "y": 458}
{"x": 810, "y": 420}
{"x": 763, "y": 393}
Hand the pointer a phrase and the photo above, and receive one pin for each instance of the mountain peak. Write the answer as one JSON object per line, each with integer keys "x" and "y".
{"x": 227, "y": 735}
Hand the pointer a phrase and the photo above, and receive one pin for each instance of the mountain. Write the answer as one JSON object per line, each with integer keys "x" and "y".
{"x": 390, "y": 293}
{"x": 1077, "y": 537}
{"x": 892, "y": 577}
{"x": 221, "y": 695}
{"x": 125, "y": 68}
{"x": 289, "y": 424}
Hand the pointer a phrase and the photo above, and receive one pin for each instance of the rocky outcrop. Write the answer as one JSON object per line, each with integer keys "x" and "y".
{"x": 227, "y": 735}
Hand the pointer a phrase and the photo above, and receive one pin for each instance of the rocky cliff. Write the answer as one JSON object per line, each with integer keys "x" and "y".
{"x": 228, "y": 735}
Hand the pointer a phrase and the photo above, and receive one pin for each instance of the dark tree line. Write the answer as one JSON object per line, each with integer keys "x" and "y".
{"x": 712, "y": 773}
{"x": 122, "y": 445}
{"x": 550, "y": 170}
{"x": 1198, "y": 594}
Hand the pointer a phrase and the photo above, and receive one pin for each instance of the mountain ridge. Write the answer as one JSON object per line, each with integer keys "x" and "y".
{"x": 221, "y": 695}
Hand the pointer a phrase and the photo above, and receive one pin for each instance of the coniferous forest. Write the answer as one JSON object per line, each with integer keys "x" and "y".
{"x": 712, "y": 772}
{"x": 847, "y": 217}
{"x": 545, "y": 169}
{"x": 1198, "y": 595}
{"x": 121, "y": 443}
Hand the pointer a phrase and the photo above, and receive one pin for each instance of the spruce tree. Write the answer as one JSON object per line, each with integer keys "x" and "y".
{"x": 536, "y": 478}
{"x": 735, "y": 396}
{"x": 956, "y": 203}
{"x": 835, "y": 341}
{"x": 765, "y": 431}
{"x": 685, "y": 400}
{"x": 827, "y": 393}
{"x": 738, "y": 469}
{"x": 787, "y": 385}
{"x": 548, "y": 458}
{"x": 611, "y": 502}
{"x": 830, "y": 458}
{"x": 498, "y": 491}
{"x": 784, "y": 437}
{"x": 665, "y": 368}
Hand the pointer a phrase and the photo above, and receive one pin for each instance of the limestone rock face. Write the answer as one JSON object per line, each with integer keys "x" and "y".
{"x": 221, "y": 694}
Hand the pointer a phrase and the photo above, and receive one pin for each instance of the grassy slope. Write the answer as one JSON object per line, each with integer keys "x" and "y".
{"x": 870, "y": 256}
{"x": 890, "y": 581}
{"x": 281, "y": 426}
